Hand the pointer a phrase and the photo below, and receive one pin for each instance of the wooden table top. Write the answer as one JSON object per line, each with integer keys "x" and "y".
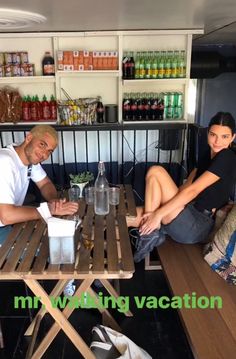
{"x": 102, "y": 242}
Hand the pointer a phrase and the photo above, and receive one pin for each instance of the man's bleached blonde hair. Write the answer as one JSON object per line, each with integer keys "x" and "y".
{"x": 41, "y": 130}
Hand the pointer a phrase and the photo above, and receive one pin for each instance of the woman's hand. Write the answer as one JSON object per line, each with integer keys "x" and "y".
{"x": 61, "y": 207}
{"x": 149, "y": 222}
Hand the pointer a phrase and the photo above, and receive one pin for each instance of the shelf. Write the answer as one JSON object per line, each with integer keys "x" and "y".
{"x": 155, "y": 121}
{"x": 108, "y": 73}
{"x": 27, "y": 79}
{"x": 23, "y": 123}
{"x": 156, "y": 81}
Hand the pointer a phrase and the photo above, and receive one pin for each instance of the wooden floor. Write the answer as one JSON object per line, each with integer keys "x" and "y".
{"x": 158, "y": 331}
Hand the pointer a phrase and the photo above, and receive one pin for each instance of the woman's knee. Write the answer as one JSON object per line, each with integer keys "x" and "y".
{"x": 155, "y": 171}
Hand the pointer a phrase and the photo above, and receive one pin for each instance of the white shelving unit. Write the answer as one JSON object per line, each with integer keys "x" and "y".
{"x": 107, "y": 84}
{"x": 27, "y": 80}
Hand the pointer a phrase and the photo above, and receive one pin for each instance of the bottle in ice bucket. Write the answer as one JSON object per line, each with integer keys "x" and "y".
{"x": 101, "y": 195}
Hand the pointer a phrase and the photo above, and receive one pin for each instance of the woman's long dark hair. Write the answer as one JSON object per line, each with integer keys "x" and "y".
{"x": 223, "y": 119}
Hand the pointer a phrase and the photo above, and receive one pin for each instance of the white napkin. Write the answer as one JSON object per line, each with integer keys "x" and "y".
{"x": 58, "y": 227}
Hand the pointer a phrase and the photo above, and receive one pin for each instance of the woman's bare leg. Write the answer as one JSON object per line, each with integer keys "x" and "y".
{"x": 160, "y": 188}
{"x": 135, "y": 222}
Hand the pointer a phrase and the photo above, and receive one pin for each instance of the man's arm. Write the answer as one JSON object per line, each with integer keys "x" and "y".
{"x": 10, "y": 214}
{"x": 47, "y": 189}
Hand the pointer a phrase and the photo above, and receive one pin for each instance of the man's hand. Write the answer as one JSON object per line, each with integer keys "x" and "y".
{"x": 150, "y": 221}
{"x": 61, "y": 207}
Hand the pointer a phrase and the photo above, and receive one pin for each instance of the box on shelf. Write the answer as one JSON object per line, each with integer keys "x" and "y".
{"x": 87, "y": 60}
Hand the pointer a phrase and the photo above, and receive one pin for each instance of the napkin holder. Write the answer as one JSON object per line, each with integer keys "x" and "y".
{"x": 61, "y": 241}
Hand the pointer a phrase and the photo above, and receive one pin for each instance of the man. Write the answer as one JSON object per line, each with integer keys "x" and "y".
{"x": 19, "y": 164}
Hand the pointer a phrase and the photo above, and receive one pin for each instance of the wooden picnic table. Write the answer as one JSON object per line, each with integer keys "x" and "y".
{"x": 103, "y": 252}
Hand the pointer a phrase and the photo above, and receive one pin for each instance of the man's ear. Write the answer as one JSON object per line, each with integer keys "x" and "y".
{"x": 28, "y": 137}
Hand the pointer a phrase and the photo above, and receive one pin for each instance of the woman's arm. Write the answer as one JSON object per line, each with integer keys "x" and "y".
{"x": 189, "y": 180}
{"x": 171, "y": 209}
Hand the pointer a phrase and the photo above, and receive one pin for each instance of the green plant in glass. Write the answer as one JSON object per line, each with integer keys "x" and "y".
{"x": 81, "y": 177}
{"x": 80, "y": 180}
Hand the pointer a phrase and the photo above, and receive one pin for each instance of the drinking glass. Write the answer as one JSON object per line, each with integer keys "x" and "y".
{"x": 114, "y": 196}
{"x": 73, "y": 194}
{"x": 89, "y": 195}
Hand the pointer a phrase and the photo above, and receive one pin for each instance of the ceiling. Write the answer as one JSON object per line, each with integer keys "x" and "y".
{"x": 216, "y": 17}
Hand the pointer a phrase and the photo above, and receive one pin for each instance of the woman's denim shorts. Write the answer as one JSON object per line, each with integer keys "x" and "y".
{"x": 190, "y": 226}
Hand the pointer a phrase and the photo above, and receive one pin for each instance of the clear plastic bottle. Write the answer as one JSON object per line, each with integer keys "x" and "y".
{"x": 101, "y": 195}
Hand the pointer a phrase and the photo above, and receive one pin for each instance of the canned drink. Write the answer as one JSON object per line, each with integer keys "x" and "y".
{"x": 15, "y": 58}
{"x": 179, "y": 112}
{"x": 15, "y": 69}
{"x": 166, "y": 99}
{"x": 179, "y": 99}
{"x": 2, "y": 72}
{"x": 24, "y": 57}
{"x": 1, "y": 58}
{"x": 165, "y": 113}
{"x": 171, "y": 98}
{"x": 23, "y": 70}
{"x": 8, "y": 58}
{"x": 170, "y": 112}
{"x": 8, "y": 70}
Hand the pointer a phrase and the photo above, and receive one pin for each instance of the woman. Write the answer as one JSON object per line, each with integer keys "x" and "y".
{"x": 186, "y": 213}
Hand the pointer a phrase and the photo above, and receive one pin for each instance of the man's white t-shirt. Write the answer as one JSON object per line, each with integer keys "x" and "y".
{"x": 14, "y": 177}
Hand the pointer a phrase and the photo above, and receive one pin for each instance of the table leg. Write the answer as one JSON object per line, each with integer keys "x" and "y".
{"x": 57, "y": 290}
{"x": 30, "y": 350}
{"x": 111, "y": 290}
{"x": 107, "y": 318}
{"x": 60, "y": 319}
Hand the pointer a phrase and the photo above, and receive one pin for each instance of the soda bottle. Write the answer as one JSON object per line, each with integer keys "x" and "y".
{"x": 26, "y": 115}
{"x": 161, "y": 66}
{"x": 101, "y": 194}
{"x": 182, "y": 64}
{"x": 153, "y": 104}
{"x": 167, "y": 65}
{"x": 133, "y": 107}
{"x": 48, "y": 65}
{"x": 100, "y": 111}
{"x": 139, "y": 115}
{"x": 174, "y": 65}
{"x": 125, "y": 65}
{"x": 45, "y": 109}
{"x": 137, "y": 65}
{"x": 160, "y": 107}
{"x": 154, "y": 70}
{"x": 141, "y": 66}
{"x": 148, "y": 107}
{"x": 53, "y": 108}
{"x": 131, "y": 67}
{"x": 148, "y": 66}
{"x": 126, "y": 107}
{"x": 143, "y": 106}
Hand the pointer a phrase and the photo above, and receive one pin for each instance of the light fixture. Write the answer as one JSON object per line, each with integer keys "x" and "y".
{"x": 11, "y": 19}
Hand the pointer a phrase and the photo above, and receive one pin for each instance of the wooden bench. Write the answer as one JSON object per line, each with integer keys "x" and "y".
{"x": 211, "y": 332}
